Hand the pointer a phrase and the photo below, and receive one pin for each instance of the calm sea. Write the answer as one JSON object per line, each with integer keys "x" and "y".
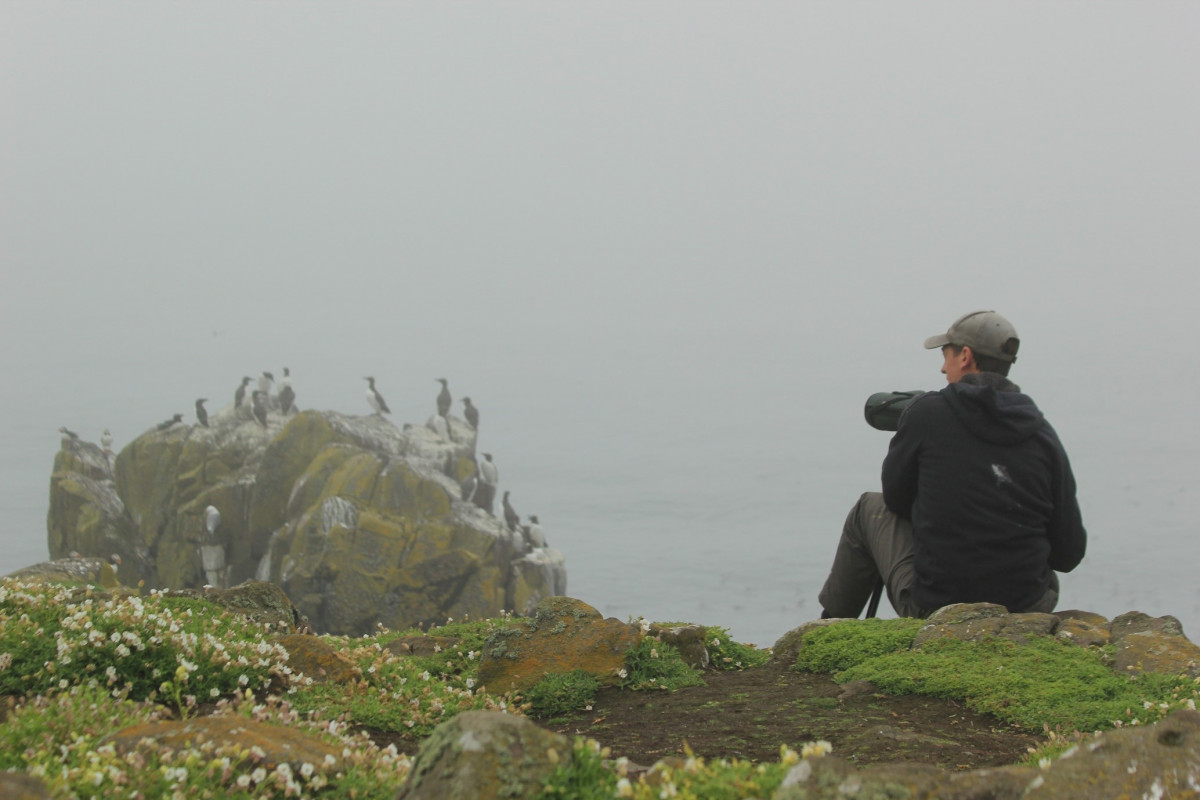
{"x": 703, "y": 480}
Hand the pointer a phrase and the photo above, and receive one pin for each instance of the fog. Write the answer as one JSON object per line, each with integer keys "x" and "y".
{"x": 668, "y": 249}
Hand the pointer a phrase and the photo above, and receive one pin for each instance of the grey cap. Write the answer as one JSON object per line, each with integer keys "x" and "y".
{"x": 985, "y": 332}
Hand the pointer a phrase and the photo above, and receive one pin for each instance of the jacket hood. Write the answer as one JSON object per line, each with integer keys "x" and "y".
{"x": 993, "y": 408}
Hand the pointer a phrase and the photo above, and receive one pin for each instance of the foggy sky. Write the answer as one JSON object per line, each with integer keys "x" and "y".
{"x": 530, "y": 197}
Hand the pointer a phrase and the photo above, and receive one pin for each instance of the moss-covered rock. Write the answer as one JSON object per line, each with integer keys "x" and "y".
{"x": 360, "y": 522}
{"x": 485, "y": 755}
{"x": 563, "y": 635}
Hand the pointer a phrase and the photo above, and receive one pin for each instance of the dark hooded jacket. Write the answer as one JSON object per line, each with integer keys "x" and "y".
{"x": 990, "y": 493}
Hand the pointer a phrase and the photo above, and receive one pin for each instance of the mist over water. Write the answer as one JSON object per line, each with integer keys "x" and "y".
{"x": 667, "y": 253}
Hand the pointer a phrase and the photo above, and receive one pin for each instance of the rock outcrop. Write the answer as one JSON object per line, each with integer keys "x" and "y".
{"x": 360, "y": 522}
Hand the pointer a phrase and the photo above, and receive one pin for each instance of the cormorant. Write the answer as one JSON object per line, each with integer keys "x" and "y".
{"x": 511, "y": 517}
{"x": 376, "y": 399}
{"x": 471, "y": 413}
{"x": 287, "y": 395}
{"x": 258, "y": 403}
{"x": 70, "y": 434}
{"x": 443, "y": 398}
{"x": 175, "y": 420}
{"x": 201, "y": 414}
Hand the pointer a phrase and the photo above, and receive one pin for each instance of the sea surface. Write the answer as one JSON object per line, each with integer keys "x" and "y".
{"x": 701, "y": 481}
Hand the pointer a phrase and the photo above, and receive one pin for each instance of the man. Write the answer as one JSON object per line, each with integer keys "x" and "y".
{"x": 978, "y": 501}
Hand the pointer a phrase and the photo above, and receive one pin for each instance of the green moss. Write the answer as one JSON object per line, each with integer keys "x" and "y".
{"x": 841, "y": 646}
{"x": 562, "y": 693}
{"x": 1042, "y": 682}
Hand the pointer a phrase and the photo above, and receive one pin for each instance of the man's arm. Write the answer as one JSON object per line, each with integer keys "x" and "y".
{"x": 1068, "y": 539}
{"x": 900, "y": 466}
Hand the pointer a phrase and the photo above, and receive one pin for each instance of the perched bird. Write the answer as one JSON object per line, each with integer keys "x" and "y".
{"x": 70, "y": 434}
{"x": 443, "y": 398}
{"x": 175, "y": 420}
{"x": 488, "y": 472}
{"x": 534, "y": 532}
{"x": 287, "y": 395}
{"x": 511, "y": 517}
{"x": 201, "y": 414}
{"x": 106, "y": 441}
{"x": 376, "y": 399}
{"x": 265, "y": 381}
{"x": 239, "y": 396}
{"x": 258, "y": 404}
{"x": 471, "y": 413}
{"x": 212, "y": 518}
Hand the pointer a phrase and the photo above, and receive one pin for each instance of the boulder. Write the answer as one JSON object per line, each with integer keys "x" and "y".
{"x": 974, "y": 621}
{"x": 233, "y": 736}
{"x": 360, "y": 522}
{"x": 258, "y": 601}
{"x": 485, "y": 755}
{"x": 1160, "y": 760}
{"x": 312, "y": 657}
{"x": 19, "y": 786}
{"x": 1153, "y": 644}
{"x": 688, "y": 640}
{"x": 563, "y": 635}
{"x": 75, "y": 570}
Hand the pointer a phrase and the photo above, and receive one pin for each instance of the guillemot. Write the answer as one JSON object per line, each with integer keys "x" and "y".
{"x": 239, "y": 396}
{"x": 258, "y": 404}
{"x": 287, "y": 395}
{"x": 201, "y": 414}
{"x": 375, "y": 398}
{"x": 175, "y": 420}
{"x": 265, "y": 381}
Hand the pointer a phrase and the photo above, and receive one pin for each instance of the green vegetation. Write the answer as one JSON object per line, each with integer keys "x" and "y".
{"x": 833, "y": 648}
{"x": 654, "y": 664}
{"x": 562, "y": 693}
{"x": 725, "y": 653}
{"x": 1042, "y": 682}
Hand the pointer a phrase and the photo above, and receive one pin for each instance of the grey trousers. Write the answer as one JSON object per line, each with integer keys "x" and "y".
{"x": 876, "y": 542}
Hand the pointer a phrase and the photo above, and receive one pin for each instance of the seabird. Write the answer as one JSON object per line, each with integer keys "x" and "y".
{"x": 287, "y": 395}
{"x": 265, "y": 381}
{"x": 488, "y": 472}
{"x": 212, "y": 518}
{"x": 443, "y": 398}
{"x": 471, "y": 413}
{"x": 70, "y": 434}
{"x": 258, "y": 404}
{"x": 534, "y": 531}
{"x": 376, "y": 399}
{"x": 201, "y": 414}
{"x": 106, "y": 441}
{"x": 511, "y": 517}
{"x": 175, "y": 420}
{"x": 239, "y": 396}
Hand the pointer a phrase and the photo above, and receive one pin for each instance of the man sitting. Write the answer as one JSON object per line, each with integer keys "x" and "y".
{"x": 978, "y": 501}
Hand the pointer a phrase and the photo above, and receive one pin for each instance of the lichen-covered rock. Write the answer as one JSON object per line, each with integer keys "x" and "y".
{"x": 310, "y": 656}
{"x": 260, "y": 602}
{"x": 688, "y": 640}
{"x": 1160, "y": 761}
{"x": 1153, "y": 644}
{"x": 485, "y": 755}
{"x": 974, "y": 621}
{"x": 360, "y": 522}
{"x": 1082, "y": 633}
{"x": 787, "y": 647}
{"x": 81, "y": 571}
{"x": 563, "y": 635}
{"x": 233, "y": 736}
{"x": 18, "y": 786}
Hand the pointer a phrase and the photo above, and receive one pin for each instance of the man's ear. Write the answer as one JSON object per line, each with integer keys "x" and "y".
{"x": 967, "y": 359}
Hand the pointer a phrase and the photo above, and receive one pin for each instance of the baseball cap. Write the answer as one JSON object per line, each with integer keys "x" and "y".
{"x": 985, "y": 332}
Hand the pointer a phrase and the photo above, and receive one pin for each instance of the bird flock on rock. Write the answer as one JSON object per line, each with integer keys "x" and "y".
{"x": 253, "y": 400}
